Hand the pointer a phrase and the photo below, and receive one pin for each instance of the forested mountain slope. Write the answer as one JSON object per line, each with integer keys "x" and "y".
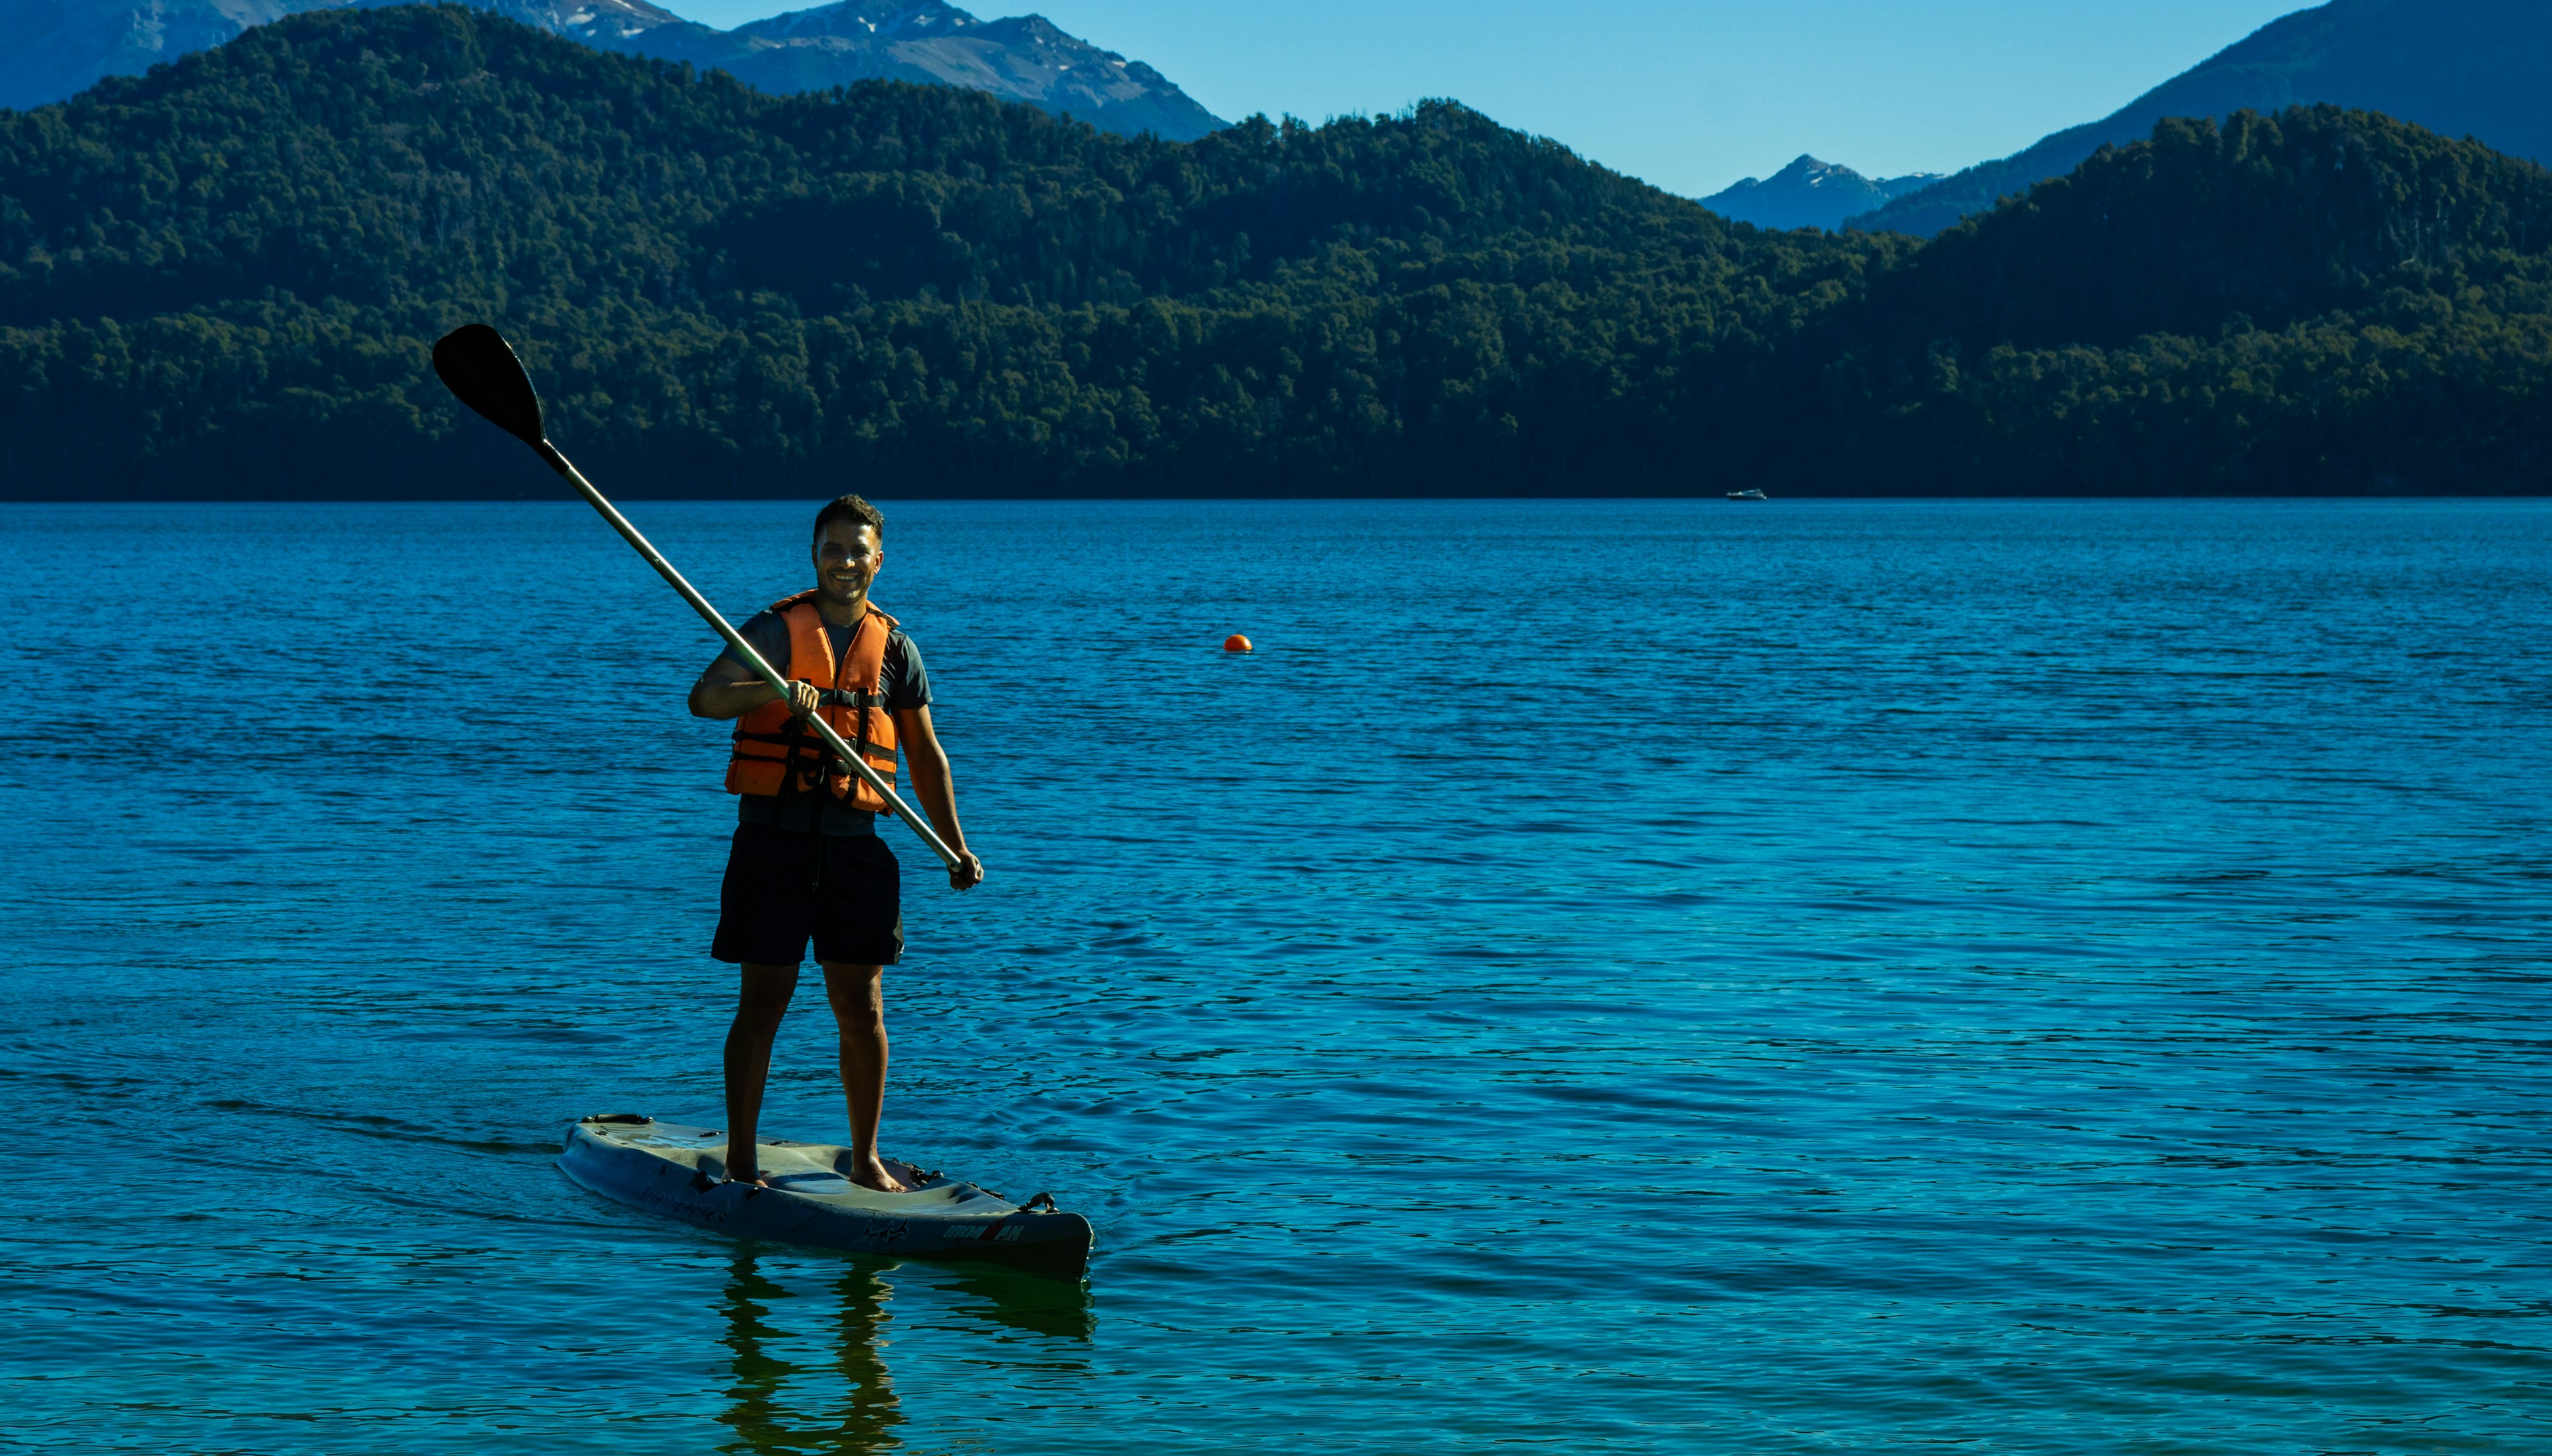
{"x": 222, "y": 280}
{"x": 2322, "y": 301}
{"x": 2462, "y": 68}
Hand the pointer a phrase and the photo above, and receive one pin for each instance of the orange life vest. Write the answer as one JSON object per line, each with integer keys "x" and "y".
{"x": 776, "y": 752}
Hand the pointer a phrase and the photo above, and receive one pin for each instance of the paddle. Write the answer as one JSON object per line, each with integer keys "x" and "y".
{"x": 479, "y": 368}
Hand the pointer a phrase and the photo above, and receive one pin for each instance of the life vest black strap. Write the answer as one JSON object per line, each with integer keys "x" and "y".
{"x": 805, "y": 746}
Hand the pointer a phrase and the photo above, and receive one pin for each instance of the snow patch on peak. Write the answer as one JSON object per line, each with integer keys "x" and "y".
{"x": 1809, "y": 193}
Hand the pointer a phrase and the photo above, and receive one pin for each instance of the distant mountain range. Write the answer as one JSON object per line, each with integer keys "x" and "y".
{"x": 53, "y": 49}
{"x": 1809, "y": 193}
{"x": 2481, "y": 69}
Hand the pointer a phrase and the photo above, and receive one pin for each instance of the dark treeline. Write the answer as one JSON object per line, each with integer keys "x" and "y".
{"x": 221, "y": 279}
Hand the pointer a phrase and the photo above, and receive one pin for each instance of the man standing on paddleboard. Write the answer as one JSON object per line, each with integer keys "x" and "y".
{"x": 806, "y": 862}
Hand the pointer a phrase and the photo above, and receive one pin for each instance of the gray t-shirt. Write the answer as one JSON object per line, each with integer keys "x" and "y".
{"x": 903, "y": 680}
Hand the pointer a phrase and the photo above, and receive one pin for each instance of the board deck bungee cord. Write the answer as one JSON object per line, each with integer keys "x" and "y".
{"x": 678, "y": 1172}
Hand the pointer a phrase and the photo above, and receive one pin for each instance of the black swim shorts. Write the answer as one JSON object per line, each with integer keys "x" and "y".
{"x": 783, "y": 888}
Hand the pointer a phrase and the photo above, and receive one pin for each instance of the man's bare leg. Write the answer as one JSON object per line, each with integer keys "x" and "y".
{"x": 859, "y": 1009}
{"x": 762, "y": 998}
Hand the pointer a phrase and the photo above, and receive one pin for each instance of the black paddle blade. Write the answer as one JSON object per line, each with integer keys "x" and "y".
{"x": 479, "y": 367}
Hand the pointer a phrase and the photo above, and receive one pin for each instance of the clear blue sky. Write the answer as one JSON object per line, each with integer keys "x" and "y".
{"x": 1689, "y": 94}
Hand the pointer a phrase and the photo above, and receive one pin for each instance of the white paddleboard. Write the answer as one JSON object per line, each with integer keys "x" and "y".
{"x": 680, "y": 1172}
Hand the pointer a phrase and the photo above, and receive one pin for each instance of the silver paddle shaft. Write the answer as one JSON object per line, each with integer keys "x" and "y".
{"x": 744, "y": 649}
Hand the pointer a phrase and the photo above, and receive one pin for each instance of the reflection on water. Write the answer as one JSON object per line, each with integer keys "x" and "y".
{"x": 1031, "y": 1302}
{"x": 810, "y": 1369}
{"x": 781, "y": 1405}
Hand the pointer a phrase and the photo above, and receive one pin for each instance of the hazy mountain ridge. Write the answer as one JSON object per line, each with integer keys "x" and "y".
{"x": 1809, "y": 193}
{"x": 2458, "y": 67}
{"x": 53, "y": 49}
{"x": 1019, "y": 58}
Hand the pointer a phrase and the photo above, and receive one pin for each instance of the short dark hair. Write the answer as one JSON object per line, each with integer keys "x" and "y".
{"x": 854, "y": 508}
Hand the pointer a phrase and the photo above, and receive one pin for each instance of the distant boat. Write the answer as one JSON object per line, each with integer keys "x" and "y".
{"x": 1747, "y": 495}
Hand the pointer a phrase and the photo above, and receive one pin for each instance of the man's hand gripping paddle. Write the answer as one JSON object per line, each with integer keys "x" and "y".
{"x": 479, "y": 368}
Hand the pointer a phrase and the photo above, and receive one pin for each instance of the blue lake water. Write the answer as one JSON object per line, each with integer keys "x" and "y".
{"x": 2017, "y": 977}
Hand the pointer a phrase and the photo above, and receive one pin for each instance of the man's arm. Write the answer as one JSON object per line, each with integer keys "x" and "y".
{"x": 730, "y": 689}
{"x": 932, "y": 785}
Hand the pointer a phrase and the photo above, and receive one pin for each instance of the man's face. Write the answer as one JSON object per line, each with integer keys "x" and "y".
{"x": 847, "y": 558}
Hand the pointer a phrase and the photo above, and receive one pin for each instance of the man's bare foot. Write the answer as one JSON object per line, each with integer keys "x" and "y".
{"x": 869, "y": 1173}
{"x": 750, "y": 1173}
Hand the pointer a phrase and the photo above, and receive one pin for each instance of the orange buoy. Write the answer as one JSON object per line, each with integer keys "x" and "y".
{"x": 1235, "y": 643}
